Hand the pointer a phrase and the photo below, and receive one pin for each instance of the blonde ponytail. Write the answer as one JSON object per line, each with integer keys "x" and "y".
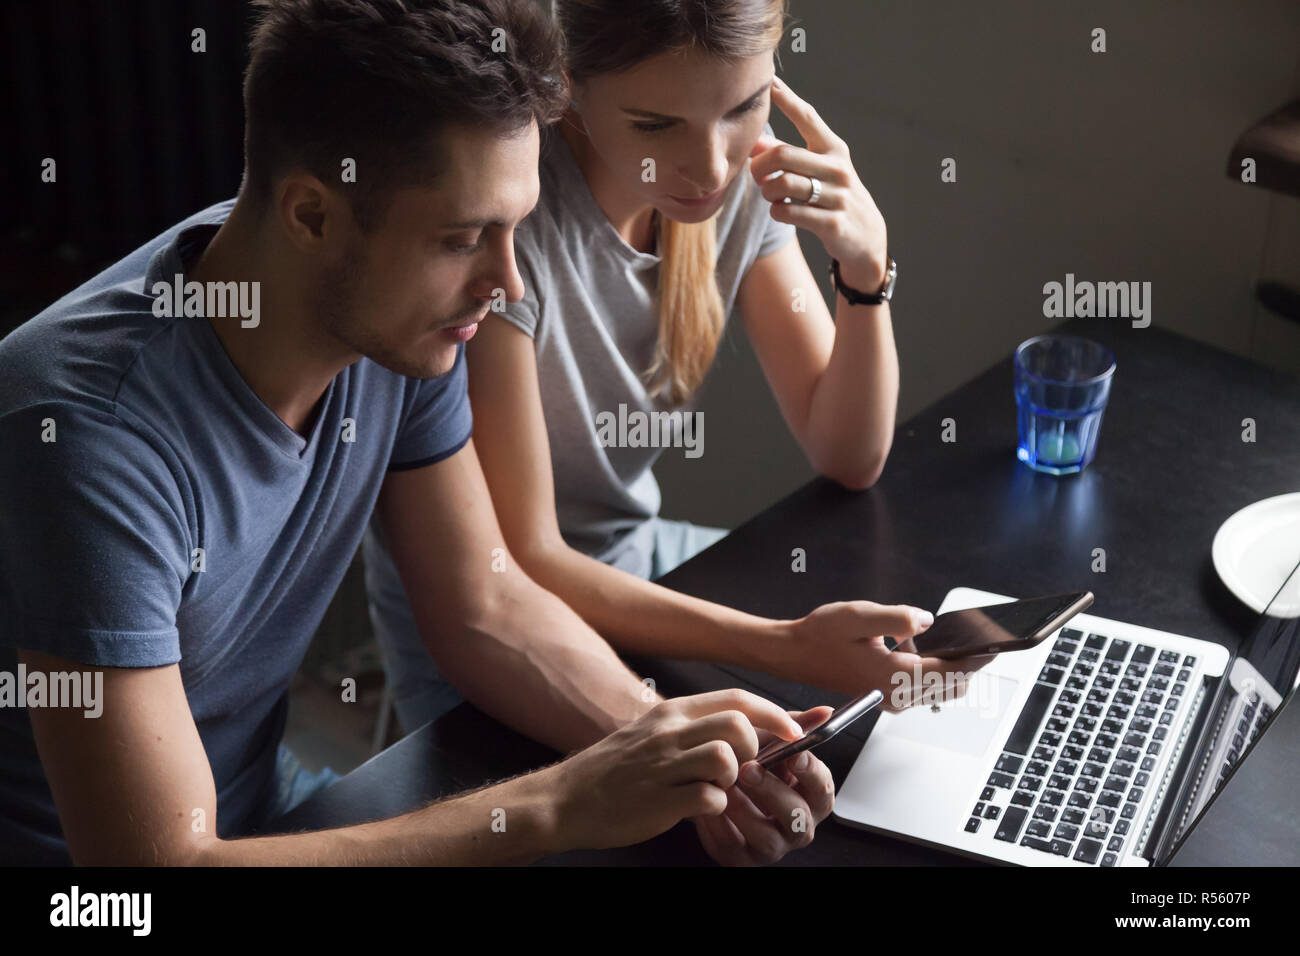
{"x": 691, "y": 316}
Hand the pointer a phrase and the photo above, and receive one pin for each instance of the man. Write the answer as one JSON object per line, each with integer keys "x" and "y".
{"x": 184, "y": 487}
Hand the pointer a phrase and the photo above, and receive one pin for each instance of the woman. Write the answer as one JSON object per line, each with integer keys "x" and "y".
{"x": 649, "y": 229}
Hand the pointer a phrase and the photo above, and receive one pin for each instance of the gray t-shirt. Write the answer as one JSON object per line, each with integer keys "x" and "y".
{"x": 591, "y": 308}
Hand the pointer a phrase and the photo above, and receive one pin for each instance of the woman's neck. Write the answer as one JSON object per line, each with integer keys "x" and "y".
{"x": 631, "y": 217}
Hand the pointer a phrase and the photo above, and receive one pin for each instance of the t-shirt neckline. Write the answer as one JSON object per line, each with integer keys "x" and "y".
{"x": 165, "y": 266}
{"x": 591, "y": 208}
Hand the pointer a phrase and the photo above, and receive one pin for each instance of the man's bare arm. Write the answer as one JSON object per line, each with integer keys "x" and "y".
{"x": 514, "y": 649}
{"x": 134, "y": 787}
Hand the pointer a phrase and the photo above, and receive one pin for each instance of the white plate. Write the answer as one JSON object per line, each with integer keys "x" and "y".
{"x": 1256, "y": 549}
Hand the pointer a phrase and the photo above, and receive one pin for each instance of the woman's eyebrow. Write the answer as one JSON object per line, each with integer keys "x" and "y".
{"x": 664, "y": 116}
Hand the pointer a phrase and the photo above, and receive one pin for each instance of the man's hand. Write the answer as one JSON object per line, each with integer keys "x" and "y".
{"x": 775, "y": 813}
{"x": 676, "y": 761}
{"x": 841, "y": 647}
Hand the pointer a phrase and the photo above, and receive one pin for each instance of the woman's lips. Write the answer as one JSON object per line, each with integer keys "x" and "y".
{"x": 696, "y": 203}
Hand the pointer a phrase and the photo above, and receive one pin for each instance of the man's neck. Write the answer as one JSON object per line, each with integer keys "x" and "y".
{"x": 285, "y": 359}
{"x": 629, "y": 215}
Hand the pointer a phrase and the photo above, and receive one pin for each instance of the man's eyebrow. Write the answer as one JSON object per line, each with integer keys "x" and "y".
{"x": 474, "y": 224}
{"x": 484, "y": 223}
{"x": 664, "y": 116}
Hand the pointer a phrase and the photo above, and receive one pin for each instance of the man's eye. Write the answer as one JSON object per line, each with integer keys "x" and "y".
{"x": 461, "y": 248}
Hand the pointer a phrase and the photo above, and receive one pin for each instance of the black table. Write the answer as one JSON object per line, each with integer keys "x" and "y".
{"x": 1171, "y": 466}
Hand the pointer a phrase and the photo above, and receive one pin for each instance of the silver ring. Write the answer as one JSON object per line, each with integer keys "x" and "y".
{"x": 816, "y": 193}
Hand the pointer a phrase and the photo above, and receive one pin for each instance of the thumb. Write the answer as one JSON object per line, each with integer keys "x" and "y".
{"x": 900, "y": 621}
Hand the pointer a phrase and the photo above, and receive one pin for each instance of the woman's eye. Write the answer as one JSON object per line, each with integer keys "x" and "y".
{"x": 651, "y": 127}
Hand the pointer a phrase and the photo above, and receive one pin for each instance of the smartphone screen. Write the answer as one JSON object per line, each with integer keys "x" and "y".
{"x": 999, "y": 627}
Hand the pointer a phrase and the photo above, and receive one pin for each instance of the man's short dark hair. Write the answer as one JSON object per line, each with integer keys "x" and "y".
{"x": 378, "y": 81}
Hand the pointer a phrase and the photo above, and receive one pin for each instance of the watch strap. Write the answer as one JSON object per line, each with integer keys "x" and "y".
{"x": 858, "y": 297}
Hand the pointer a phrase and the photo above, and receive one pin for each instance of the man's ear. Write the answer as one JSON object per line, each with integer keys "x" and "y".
{"x": 307, "y": 211}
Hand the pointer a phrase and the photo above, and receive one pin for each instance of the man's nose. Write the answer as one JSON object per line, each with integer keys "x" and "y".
{"x": 505, "y": 275}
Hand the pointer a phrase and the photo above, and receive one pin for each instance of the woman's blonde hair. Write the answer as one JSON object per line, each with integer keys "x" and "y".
{"x": 598, "y": 39}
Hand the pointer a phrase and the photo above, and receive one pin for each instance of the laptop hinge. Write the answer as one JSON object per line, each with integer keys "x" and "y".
{"x": 1166, "y": 826}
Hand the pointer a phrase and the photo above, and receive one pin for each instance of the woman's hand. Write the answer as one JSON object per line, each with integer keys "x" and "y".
{"x": 845, "y": 217}
{"x": 841, "y": 647}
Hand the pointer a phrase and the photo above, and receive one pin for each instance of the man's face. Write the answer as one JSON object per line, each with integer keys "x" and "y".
{"x": 407, "y": 294}
{"x": 695, "y": 115}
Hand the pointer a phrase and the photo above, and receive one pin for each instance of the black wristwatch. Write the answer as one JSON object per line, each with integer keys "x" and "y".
{"x": 855, "y": 297}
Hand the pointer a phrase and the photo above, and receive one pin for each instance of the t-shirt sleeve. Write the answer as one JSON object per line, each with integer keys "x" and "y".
{"x": 437, "y": 421}
{"x": 96, "y": 542}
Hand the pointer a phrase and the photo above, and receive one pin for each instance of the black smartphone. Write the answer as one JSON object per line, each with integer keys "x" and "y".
{"x": 778, "y": 750}
{"x": 999, "y": 628}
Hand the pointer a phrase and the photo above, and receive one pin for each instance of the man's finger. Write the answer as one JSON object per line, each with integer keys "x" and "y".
{"x": 771, "y": 804}
{"x": 761, "y": 713}
{"x": 722, "y": 831}
{"x": 729, "y": 726}
{"x": 815, "y": 783}
{"x": 812, "y": 717}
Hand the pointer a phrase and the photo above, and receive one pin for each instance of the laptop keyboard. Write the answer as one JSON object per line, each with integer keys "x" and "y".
{"x": 1253, "y": 717}
{"x": 1083, "y": 752}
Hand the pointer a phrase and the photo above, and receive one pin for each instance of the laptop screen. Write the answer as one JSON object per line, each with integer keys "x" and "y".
{"x": 1259, "y": 681}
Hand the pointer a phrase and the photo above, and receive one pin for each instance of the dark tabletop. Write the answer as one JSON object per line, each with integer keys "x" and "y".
{"x": 1171, "y": 466}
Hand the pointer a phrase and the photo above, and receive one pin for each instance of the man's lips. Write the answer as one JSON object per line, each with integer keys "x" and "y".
{"x": 461, "y": 329}
{"x": 464, "y": 321}
{"x": 460, "y": 333}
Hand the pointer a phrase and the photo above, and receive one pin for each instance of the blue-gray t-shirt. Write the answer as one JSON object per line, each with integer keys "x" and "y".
{"x": 161, "y": 448}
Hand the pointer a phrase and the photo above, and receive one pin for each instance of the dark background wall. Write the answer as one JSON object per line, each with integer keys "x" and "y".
{"x": 144, "y": 131}
{"x": 1111, "y": 166}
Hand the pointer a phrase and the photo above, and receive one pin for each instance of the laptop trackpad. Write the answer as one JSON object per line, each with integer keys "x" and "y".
{"x": 965, "y": 725}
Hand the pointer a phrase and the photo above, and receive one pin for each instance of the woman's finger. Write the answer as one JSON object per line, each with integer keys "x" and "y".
{"x": 812, "y": 218}
{"x": 807, "y": 120}
{"x": 795, "y": 159}
{"x": 799, "y": 189}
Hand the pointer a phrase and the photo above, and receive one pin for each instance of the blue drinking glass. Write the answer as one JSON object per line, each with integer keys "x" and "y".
{"x": 1062, "y": 384}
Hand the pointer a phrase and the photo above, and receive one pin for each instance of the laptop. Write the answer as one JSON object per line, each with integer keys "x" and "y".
{"x": 1099, "y": 747}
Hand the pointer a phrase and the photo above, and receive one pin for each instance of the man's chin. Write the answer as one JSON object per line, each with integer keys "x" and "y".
{"x": 431, "y": 364}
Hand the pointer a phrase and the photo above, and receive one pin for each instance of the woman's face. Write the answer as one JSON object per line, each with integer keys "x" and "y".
{"x": 697, "y": 118}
